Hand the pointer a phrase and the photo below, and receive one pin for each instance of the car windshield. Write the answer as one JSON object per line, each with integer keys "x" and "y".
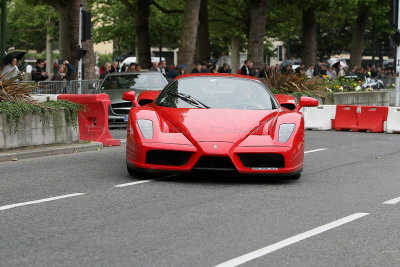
{"x": 216, "y": 92}
{"x": 134, "y": 81}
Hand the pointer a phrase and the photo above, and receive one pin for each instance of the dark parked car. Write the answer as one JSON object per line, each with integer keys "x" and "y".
{"x": 115, "y": 84}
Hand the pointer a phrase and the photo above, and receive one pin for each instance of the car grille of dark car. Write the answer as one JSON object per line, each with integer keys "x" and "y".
{"x": 121, "y": 108}
{"x": 262, "y": 160}
{"x": 214, "y": 163}
{"x": 167, "y": 157}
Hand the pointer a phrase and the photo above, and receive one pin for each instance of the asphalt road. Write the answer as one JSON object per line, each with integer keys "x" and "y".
{"x": 333, "y": 216}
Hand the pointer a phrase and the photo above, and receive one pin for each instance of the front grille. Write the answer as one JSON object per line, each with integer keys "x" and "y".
{"x": 167, "y": 157}
{"x": 262, "y": 160}
{"x": 122, "y": 108}
{"x": 214, "y": 163}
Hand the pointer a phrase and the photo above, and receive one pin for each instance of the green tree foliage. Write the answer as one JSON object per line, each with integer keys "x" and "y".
{"x": 26, "y": 24}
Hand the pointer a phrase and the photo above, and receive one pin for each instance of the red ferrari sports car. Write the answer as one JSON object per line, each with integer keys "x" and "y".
{"x": 215, "y": 122}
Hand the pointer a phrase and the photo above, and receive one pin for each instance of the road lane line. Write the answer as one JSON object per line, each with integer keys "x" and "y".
{"x": 134, "y": 183}
{"x": 39, "y": 201}
{"x": 291, "y": 240}
{"x": 392, "y": 201}
{"x": 315, "y": 150}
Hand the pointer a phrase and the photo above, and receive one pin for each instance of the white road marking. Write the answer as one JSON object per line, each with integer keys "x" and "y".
{"x": 133, "y": 183}
{"x": 38, "y": 201}
{"x": 392, "y": 201}
{"x": 291, "y": 240}
{"x": 315, "y": 150}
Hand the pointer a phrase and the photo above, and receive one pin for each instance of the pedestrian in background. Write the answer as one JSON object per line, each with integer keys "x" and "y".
{"x": 106, "y": 71}
{"x": 68, "y": 68}
{"x": 264, "y": 73}
{"x": 163, "y": 68}
{"x": 60, "y": 74}
{"x": 155, "y": 67}
{"x": 246, "y": 68}
{"x": 39, "y": 71}
{"x": 114, "y": 67}
{"x": 132, "y": 67}
{"x": 11, "y": 68}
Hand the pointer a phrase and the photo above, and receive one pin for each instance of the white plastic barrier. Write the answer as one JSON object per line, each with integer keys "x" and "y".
{"x": 319, "y": 118}
{"x": 393, "y": 120}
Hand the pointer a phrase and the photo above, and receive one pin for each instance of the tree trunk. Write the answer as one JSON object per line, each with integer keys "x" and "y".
{"x": 68, "y": 14}
{"x": 258, "y": 16}
{"x": 188, "y": 38}
{"x": 49, "y": 50}
{"x": 357, "y": 41}
{"x": 309, "y": 37}
{"x": 203, "y": 40}
{"x": 142, "y": 10}
{"x": 235, "y": 56}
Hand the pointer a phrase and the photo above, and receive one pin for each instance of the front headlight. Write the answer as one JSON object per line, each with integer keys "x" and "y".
{"x": 285, "y": 131}
{"x": 146, "y": 127}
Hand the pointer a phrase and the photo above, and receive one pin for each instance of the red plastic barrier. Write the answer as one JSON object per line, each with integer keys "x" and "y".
{"x": 346, "y": 118}
{"x": 372, "y": 119}
{"x": 93, "y": 124}
{"x": 360, "y": 118}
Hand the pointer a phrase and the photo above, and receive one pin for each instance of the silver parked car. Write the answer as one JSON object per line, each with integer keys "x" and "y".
{"x": 115, "y": 84}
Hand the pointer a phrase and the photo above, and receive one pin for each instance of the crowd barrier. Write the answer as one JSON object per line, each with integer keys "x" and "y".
{"x": 319, "y": 118}
{"x": 393, "y": 120}
{"x": 65, "y": 87}
{"x": 353, "y": 118}
{"x": 93, "y": 122}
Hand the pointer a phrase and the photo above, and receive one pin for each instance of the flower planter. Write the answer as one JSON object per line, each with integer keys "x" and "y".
{"x": 374, "y": 98}
{"x": 33, "y": 131}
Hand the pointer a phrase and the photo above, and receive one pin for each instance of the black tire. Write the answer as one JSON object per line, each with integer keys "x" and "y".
{"x": 295, "y": 176}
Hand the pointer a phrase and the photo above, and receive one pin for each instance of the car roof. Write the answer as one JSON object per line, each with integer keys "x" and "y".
{"x": 217, "y": 75}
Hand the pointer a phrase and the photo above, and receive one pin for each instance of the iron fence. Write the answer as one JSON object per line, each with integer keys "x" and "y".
{"x": 64, "y": 87}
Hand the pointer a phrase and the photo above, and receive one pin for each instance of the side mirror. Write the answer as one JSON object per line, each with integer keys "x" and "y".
{"x": 307, "y": 102}
{"x": 130, "y": 96}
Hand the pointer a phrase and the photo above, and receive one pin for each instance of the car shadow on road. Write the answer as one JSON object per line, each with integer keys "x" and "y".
{"x": 226, "y": 178}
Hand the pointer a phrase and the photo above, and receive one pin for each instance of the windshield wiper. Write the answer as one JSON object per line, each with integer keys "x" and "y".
{"x": 189, "y": 99}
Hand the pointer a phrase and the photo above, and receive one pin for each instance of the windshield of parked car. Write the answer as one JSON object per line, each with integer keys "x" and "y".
{"x": 134, "y": 81}
{"x": 216, "y": 92}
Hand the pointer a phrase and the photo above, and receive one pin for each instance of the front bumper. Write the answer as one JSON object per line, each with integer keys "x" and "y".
{"x": 218, "y": 156}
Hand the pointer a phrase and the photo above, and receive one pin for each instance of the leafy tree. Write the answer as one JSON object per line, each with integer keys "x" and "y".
{"x": 68, "y": 17}
{"x": 26, "y": 22}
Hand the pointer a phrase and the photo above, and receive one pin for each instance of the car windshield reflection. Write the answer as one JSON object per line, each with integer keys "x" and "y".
{"x": 217, "y": 93}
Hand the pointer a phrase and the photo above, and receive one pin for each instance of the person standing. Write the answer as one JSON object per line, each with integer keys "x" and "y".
{"x": 155, "y": 67}
{"x": 163, "y": 68}
{"x": 11, "y": 68}
{"x": 38, "y": 71}
{"x": 68, "y": 68}
{"x": 60, "y": 74}
{"x": 246, "y": 68}
{"x": 265, "y": 73}
{"x": 106, "y": 71}
{"x": 115, "y": 67}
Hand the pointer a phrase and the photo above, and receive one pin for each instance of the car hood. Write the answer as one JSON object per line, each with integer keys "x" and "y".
{"x": 216, "y": 125}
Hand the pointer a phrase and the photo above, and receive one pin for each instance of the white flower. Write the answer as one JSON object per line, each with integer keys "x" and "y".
{"x": 358, "y": 88}
{"x": 341, "y": 88}
{"x": 328, "y": 89}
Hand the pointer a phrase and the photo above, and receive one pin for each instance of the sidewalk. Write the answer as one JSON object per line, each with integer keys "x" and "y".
{"x": 48, "y": 150}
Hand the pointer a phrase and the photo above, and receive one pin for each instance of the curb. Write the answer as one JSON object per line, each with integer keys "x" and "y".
{"x": 52, "y": 150}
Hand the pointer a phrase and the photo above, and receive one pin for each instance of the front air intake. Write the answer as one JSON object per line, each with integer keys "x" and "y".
{"x": 262, "y": 160}
{"x": 167, "y": 157}
{"x": 214, "y": 163}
